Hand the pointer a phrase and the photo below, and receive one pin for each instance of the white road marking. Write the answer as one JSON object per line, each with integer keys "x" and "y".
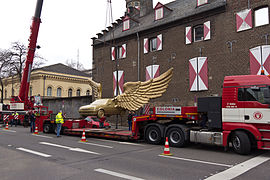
{"x": 8, "y": 130}
{"x": 128, "y": 143}
{"x": 69, "y": 148}
{"x": 42, "y": 136}
{"x": 198, "y": 161}
{"x": 112, "y": 173}
{"x": 100, "y": 145}
{"x": 34, "y": 152}
{"x": 240, "y": 168}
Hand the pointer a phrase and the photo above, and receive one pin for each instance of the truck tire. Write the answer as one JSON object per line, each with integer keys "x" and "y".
{"x": 153, "y": 135}
{"x": 47, "y": 128}
{"x": 241, "y": 143}
{"x": 100, "y": 113}
{"x": 176, "y": 137}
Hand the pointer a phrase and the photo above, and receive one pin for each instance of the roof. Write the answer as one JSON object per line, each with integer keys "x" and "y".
{"x": 181, "y": 9}
{"x": 63, "y": 69}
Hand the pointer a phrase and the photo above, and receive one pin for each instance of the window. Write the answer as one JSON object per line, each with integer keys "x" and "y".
{"x": 126, "y": 25}
{"x": 69, "y": 92}
{"x": 153, "y": 44}
{"x": 78, "y": 92}
{"x": 159, "y": 13}
{"x": 261, "y": 16}
{"x": 198, "y": 33}
{"x": 12, "y": 92}
{"x": 88, "y": 93}
{"x": 254, "y": 94}
{"x": 59, "y": 92}
{"x": 5, "y": 94}
{"x": 119, "y": 52}
{"x": 30, "y": 91}
{"x": 201, "y": 2}
{"x": 49, "y": 91}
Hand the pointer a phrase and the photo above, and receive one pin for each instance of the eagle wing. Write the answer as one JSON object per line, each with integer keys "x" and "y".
{"x": 136, "y": 94}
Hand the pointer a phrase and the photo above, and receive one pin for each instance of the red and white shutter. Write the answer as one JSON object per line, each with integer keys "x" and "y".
{"x": 207, "y": 30}
{"x": 151, "y": 72}
{"x": 145, "y": 46}
{"x": 244, "y": 20}
{"x": 198, "y": 74}
{"x": 159, "y": 42}
{"x": 124, "y": 51}
{"x": 255, "y": 60}
{"x": 266, "y": 59}
{"x": 113, "y": 53}
{"x": 202, "y": 73}
{"x": 188, "y": 35}
{"x": 193, "y": 78}
{"x": 120, "y": 82}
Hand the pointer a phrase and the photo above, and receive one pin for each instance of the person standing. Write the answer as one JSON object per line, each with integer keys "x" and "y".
{"x": 32, "y": 118}
{"x": 130, "y": 115}
{"x": 14, "y": 120}
{"x": 26, "y": 119}
{"x": 101, "y": 121}
{"x": 59, "y": 121}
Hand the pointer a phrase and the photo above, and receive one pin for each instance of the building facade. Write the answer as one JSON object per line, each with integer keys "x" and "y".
{"x": 57, "y": 80}
{"x": 203, "y": 40}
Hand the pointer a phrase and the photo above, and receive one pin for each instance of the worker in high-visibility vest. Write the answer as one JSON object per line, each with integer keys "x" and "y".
{"x": 59, "y": 121}
{"x": 14, "y": 120}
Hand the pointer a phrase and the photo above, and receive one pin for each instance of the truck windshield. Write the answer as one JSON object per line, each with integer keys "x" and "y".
{"x": 260, "y": 94}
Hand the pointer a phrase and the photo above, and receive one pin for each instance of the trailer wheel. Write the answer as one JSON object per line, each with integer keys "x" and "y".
{"x": 153, "y": 135}
{"x": 176, "y": 137}
{"x": 241, "y": 143}
{"x": 47, "y": 128}
{"x": 101, "y": 113}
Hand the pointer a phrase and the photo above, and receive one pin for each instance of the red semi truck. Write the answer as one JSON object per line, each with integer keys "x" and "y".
{"x": 240, "y": 119}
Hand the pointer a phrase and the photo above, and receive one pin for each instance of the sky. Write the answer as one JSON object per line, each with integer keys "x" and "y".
{"x": 66, "y": 29}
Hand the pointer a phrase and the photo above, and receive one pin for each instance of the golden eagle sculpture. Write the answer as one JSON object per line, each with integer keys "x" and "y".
{"x": 135, "y": 95}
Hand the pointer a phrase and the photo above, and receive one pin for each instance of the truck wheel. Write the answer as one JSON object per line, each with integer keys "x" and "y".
{"x": 153, "y": 135}
{"x": 241, "y": 143}
{"x": 176, "y": 137}
{"x": 47, "y": 128}
{"x": 101, "y": 113}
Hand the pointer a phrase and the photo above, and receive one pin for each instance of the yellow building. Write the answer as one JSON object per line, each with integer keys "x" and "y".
{"x": 56, "y": 80}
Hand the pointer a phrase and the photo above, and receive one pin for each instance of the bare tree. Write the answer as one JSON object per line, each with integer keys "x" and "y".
{"x": 75, "y": 65}
{"x": 19, "y": 53}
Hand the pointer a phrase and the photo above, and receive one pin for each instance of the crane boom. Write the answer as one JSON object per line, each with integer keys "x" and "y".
{"x": 24, "y": 88}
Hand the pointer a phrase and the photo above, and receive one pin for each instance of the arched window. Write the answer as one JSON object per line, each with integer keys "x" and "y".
{"x": 5, "y": 94}
{"x": 49, "y": 91}
{"x": 78, "y": 92}
{"x": 69, "y": 92}
{"x": 30, "y": 91}
{"x": 59, "y": 92}
{"x": 88, "y": 93}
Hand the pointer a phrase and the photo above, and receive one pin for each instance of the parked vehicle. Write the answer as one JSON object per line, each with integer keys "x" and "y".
{"x": 240, "y": 118}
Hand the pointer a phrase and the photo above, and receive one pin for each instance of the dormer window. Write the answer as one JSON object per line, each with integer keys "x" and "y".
{"x": 201, "y": 2}
{"x": 159, "y": 13}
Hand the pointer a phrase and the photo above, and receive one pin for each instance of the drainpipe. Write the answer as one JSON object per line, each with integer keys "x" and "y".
{"x": 138, "y": 61}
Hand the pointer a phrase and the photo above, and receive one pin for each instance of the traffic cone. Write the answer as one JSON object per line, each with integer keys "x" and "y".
{"x": 83, "y": 139}
{"x": 36, "y": 130}
{"x": 6, "y": 126}
{"x": 166, "y": 149}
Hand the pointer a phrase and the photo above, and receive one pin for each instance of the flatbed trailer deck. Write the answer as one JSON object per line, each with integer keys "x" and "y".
{"x": 118, "y": 134}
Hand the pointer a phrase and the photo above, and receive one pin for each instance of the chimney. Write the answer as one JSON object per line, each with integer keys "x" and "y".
{"x": 146, "y": 7}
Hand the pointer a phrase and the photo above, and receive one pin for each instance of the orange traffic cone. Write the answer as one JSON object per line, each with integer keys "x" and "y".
{"x": 36, "y": 130}
{"x": 6, "y": 126}
{"x": 83, "y": 139}
{"x": 166, "y": 149}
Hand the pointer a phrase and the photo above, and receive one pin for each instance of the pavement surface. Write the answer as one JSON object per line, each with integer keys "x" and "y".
{"x": 25, "y": 156}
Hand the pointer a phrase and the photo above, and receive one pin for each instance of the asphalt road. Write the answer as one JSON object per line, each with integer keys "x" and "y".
{"x": 24, "y": 156}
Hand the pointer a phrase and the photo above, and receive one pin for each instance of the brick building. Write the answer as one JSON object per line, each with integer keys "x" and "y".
{"x": 204, "y": 40}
